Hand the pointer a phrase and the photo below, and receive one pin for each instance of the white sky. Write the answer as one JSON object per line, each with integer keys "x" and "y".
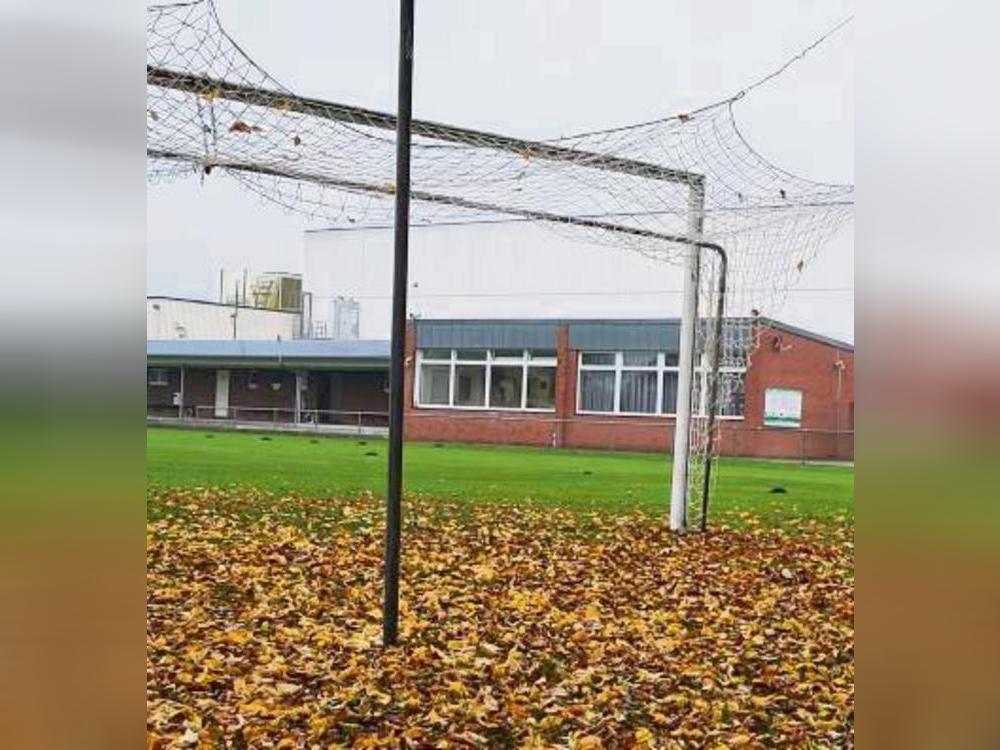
{"x": 534, "y": 70}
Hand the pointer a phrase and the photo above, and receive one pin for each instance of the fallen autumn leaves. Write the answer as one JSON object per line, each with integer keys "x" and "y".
{"x": 521, "y": 627}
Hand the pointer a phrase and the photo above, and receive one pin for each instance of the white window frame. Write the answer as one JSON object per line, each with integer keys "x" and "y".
{"x": 525, "y": 360}
{"x": 660, "y": 368}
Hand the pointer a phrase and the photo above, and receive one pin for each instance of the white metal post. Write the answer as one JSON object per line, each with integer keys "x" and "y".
{"x": 180, "y": 396}
{"x": 685, "y": 375}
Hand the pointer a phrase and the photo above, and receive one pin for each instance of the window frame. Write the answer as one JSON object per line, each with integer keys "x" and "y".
{"x": 525, "y": 360}
{"x": 160, "y": 383}
{"x": 660, "y": 368}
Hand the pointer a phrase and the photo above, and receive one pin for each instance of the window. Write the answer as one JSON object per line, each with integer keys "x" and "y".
{"x": 157, "y": 376}
{"x": 597, "y": 390}
{"x": 638, "y": 392}
{"x": 732, "y": 393}
{"x": 541, "y": 388}
{"x": 598, "y": 358}
{"x": 505, "y": 386}
{"x": 486, "y": 379}
{"x": 638, "y": 384}
{"x": 639, "y": 359}
{"x": 470, "y": 385}
{"x": 434, "y": 384}
{"x": 252, "y": 382}
{"x": 646, "y": 382}
{"x": 512, "y": 354}
{"x": 669, "y": 392}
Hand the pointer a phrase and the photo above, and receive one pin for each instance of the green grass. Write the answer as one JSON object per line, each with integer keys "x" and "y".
{"x": 586, "y": 479}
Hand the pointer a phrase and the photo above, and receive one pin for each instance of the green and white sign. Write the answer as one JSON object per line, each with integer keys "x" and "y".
{"x": 782, "y": 407}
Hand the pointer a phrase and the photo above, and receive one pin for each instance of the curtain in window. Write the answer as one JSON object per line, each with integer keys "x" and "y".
{"x": 597, "y": 390}
{"x": 434, "y": 384}
{"x": 638, "y": 392}
{"x": 669, "y": 392}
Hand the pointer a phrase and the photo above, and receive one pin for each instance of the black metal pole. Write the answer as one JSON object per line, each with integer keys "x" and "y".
{"x": 390, "y": 609}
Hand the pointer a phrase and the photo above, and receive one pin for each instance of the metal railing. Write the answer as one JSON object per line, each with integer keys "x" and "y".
{"x": 269, "y": 415}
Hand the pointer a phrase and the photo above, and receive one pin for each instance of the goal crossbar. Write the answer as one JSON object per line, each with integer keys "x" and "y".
{"x": 357, "y": 186}
{"x": 260, "y": 97}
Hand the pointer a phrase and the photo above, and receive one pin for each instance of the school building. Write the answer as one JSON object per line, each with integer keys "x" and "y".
{"x": 598, "y": 384}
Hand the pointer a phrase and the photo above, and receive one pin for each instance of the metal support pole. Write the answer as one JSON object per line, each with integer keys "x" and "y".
{"x": 685, "y": 375}
{"x": 236, "y": 308}
{"x": 390, "y": 610}
{"x": 180, "y": 394}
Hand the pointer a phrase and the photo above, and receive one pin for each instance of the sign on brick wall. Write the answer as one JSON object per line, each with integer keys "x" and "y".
{"x": 782, "y": 407}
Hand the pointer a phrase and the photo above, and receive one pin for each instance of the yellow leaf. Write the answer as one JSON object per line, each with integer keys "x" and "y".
{"x": 485, "y": 573}
{"x": 643, "y": 737}
{"x": 590, "y": 742}
{"x": 238, "y": 637}
{"x": 317, "y": 727}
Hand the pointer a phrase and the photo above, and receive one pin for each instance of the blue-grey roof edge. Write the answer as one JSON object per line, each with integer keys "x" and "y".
{"x": 242, "y": 349}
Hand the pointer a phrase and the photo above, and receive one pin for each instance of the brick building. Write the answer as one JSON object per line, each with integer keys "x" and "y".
{"x": 604, "y": 384}
{"x": 612, "y": 384}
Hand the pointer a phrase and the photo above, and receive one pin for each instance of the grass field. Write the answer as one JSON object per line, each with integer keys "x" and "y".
{"x": 178, "y": 459}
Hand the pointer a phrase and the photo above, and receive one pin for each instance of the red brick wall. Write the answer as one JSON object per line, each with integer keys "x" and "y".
{"x": 361, "y": 390}
{"x": 794, "y": 362}
{"x": 786, "y": 360}
{"x": 262, "y": 402}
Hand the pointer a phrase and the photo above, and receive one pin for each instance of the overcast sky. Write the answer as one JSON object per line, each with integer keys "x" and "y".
{"x": 535, "y": 70}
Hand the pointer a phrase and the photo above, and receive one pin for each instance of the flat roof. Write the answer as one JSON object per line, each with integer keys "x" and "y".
{"x": 296, "y": 352}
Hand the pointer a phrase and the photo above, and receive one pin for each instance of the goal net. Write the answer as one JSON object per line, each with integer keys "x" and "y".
{"x": 213, "y": 112}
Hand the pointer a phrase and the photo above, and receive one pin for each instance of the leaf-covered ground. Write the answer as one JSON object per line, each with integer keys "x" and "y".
{"x": 521, "y": 627}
